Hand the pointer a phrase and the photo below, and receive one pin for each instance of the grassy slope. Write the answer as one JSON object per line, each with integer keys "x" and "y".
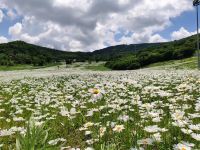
{"x": 25, "y": 67}
{"x": 83, "y": 66}
{"x": 189, "y": 63}
{"x": 19, "y": 49}
{"x": 100, "y": 66}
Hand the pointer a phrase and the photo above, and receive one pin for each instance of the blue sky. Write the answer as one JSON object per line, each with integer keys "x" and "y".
{"x": 82, "y": 26}
{"x": 186, "y": 20}
{"x": 8, "y": 22}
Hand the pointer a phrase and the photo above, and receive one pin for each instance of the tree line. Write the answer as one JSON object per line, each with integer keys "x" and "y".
{"x": 120, "y": 57}
{"x": 167, "y": 51}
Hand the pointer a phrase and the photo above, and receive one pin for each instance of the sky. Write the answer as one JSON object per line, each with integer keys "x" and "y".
{"x": 88, "y": 25}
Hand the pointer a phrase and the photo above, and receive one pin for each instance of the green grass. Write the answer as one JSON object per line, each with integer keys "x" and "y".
{"x": 97, "y": 67}
{"x": 100, "y": 66}
{"x": 85, "y": 66}
{"x": 119, "y": 111}
{"x": 16, "y": 67}
{"x": 25, "y": 67}
{"x": 188, "y": 63}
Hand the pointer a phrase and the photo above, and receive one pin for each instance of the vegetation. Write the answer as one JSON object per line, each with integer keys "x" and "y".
{"x": 188, "y": 63}
{"x": 113, "y": 52}
{"x": 121, "y": 57}
{"x": 97, "y": 67}
{"x": 19, "y": 52}
{"x": 181, "y": 49}
{"x": 35, "y": 137}
{"x": 147, "y": 109}
{"x": 26, "y": 67}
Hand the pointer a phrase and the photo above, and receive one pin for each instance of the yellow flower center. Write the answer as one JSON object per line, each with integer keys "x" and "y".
{"x": 145, "y": 142}
{"x": 183, "y": 148}
{"x": 96, "y": 91}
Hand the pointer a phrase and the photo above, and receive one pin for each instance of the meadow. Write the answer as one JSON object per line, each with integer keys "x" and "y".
{"x": 112, "y": 110}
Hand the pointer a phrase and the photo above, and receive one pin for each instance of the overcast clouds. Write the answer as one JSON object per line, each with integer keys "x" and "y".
{"x": 85, "y": 25}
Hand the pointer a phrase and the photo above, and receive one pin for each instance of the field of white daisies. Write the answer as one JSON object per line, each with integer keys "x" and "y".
{"x": 83, "y": 110}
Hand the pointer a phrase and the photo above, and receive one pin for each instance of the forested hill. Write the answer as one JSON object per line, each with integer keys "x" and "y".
{"x": 113, "y": 52}
{"x": 120, "y": 57}
{"x": 19, "y": 52}
{"x": 174, "y": 50}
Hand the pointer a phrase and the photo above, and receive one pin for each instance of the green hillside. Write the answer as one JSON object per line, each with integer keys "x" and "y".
{"x": 187, "y": 63}
{"x": 175, "y": 50}
{"x": 120, "y": 57}
{"x": 113, "y": 52}
{"x": 19, "y": 52}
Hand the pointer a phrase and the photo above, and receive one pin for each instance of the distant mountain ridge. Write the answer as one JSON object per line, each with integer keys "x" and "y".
{"x": 19, "y": 52}
{"x": 117, "y": 51}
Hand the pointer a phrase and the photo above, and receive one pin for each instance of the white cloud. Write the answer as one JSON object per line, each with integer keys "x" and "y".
{"x": 88, "y": 24}
{"x": 30, "y": 39}
{"x": 16, "y": 29}
{"x": 2, "y": 4}
{"x": 181, "y": 33}
{"x": 157, "y": 38}
{"x": 3, "y": 39}
{"x": 1, "y": 15}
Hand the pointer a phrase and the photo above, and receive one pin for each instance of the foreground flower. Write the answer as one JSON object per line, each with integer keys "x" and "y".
{"x": 102, "y": 131}
{"x": 137, "y": 148}
{"x": 89, "y": 148}
{"x": 157, "y": 137}
{"x": 54, "y": 142}
{"x": 6, "y": 133}
{"x": 152, "y": 129}
{"x": 118, "y": 128}
{"x": 147, "y": 141}
{"x": 88, "y": 124}
{"x": 96, "y": 93}
{"x": 181, "y": 146}
{"x": 196, "y": 136}
{"x": 178, "y": 115}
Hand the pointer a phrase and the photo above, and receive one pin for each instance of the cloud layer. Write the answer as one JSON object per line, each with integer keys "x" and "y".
{"x": 181, "y": 33}
{"x": 86, "y": 25}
